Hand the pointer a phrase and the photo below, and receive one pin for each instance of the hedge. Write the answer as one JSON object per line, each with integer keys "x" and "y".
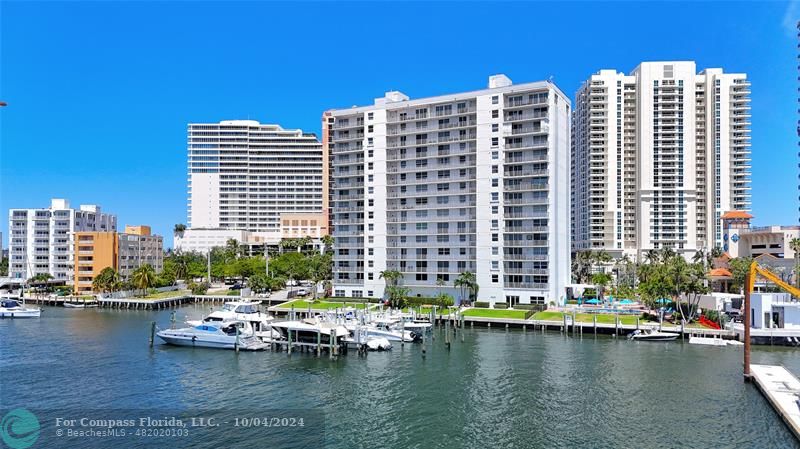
{"x": 500, "y": 305}
{"x": 481, "y": 305}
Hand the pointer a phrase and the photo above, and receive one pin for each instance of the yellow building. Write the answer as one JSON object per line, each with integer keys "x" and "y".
{"x": 124, "y": 252}
{"x": 94, "y": 251}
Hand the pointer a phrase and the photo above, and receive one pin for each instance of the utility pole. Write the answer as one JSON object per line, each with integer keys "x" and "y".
{"x": 266, "y": 257}
{"x": 209, "y": 265}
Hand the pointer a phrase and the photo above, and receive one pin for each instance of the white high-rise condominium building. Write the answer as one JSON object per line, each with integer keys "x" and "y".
{"x": 469, "y": 182}
{"x": 243, "y": 175}
{"x": 41, "y": 240}
{"x": 658, "y": 156}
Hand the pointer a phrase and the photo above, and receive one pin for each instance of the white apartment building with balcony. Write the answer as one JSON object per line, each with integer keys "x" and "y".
{"x": 243, "y": 175}
{"x": 468, "y": 182}
{"x": 658, "y": 156}
{"x": 41, "y": 240}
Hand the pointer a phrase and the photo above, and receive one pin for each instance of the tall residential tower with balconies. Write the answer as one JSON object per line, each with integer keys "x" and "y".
{"x": 243, "y": 175}
{"x": 469, "y": 182}
{"x": 658, "y": 156}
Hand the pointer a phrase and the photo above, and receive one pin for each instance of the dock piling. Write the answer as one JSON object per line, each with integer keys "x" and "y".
{"x": 152, "y": 332}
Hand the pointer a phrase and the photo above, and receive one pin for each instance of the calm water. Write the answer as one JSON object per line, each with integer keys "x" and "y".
{"x": 497, "y": 389}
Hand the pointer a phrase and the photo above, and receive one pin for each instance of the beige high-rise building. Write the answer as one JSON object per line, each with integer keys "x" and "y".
{"x": 658, "y": 156}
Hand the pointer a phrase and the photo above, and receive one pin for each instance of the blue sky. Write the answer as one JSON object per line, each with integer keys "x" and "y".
{"x": 100, "y": 93}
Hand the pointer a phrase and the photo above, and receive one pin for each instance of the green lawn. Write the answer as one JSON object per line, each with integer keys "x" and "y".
{"x": 495, "y": 313}
{"x": 302, "y": 304}
{"x": 425, "y": 310}
{"x": 164, "y": 295}
{"x": 602, "y": 318}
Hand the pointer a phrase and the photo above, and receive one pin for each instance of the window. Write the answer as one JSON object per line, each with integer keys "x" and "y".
{"x": 495, "y": 237}
{"x": 369, "y": 276}
{"x": 495, "y": 155}
{"x": 370, "y": 116}
{"x": 495, "y": 279}
{"x": 495, "y": 250}
{"x": 495, "y": 169}
{"x": 495, "y": 127}
{"x": 370, "y": 142}
{"x": 495, "y": 182}
{"x": 495, "y": 99}
{"x": 495, "y": 196}
{"x": 495, "y": 113}
{"x": 495, "y": 265}
{"x": 495, "y": 141}
{"x": 370, "y": 129}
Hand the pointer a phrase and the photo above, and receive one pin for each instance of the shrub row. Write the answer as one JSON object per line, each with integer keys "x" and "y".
{"x": 481, "y": 305}
{"x": 501, "y": 305}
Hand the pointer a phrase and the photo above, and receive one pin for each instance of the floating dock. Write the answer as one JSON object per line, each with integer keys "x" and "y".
{"x": 782, "y": 390}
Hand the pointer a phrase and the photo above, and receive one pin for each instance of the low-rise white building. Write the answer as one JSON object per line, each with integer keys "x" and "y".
{"x": 774, "y": 311}
{"x": 41, "y": 240}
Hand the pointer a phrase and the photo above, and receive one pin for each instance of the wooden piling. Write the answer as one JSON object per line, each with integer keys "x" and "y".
{"x": 152, "y": 332}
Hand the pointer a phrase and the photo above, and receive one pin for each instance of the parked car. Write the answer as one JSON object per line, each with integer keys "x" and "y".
{"x": 236, "y": 286}
{"x": 263, "y": 295}
{"x": 302, "y": 292}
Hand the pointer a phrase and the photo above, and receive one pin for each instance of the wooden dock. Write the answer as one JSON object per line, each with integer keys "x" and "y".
{"x": 782, "y": 390}
{"x": 138, "y": 303}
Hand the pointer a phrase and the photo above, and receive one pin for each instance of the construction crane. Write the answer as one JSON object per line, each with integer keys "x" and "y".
{"x": 749, "y": 282}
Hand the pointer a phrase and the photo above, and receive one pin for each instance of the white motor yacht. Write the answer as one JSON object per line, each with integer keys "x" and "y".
{"x": 241, "y": 311}
{"x": 307, "y": 330}
{"x": 11, "y": 308}
{"x": 382, "y": 328}
{"x": 652, "y": 335}
{"x": 220, "y": 335}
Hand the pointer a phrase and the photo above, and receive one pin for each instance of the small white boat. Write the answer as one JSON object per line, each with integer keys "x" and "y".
{"x": 11, "y": 308}
{"x": 378, "y": 344}
{"x": 79, "y": 304}
{"x": 382, "y": 330}
{"x": 225, "y": 335}
{"x": 652, "y": 335}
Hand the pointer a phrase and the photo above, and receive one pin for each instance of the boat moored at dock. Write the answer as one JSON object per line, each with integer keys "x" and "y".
{"x": 652, "y": 335}
{"x": 11, "y": 308}
{"x": 219, "y": 335}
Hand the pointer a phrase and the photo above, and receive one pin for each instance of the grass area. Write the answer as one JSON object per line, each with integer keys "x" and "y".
{"x": 496, "y": 313}
{"x": 425, "y": 310}
{"x": 165, "y": 295}
{"x": 302, "y": 304}
{"x": 602, "y": 318}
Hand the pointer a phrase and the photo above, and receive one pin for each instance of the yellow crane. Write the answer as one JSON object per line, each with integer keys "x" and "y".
{"x": 749, "y": 282}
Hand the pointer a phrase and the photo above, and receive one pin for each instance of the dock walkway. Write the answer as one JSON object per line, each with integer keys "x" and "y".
{"x": 782, "y": 390}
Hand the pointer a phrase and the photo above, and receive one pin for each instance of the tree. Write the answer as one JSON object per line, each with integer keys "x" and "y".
{"x": 328, "y": 241}
{"x": 739, "y": 268}
{"x": 601, "y": 280}
{"x": 4, "y": 266}
{"x": 108, "y": 280}
{"x": 178, "y": 229}
{"x": 395, "y": 293}
{"x": 320, "y": 269}
{"x": 467, "y": 282}
{"x": 582, "y": 265}
{"x": 199, "y": 288}
{"x": 144, "y": 277}
{"x": 259, "y": 283}
{"x": 794, "y": 244}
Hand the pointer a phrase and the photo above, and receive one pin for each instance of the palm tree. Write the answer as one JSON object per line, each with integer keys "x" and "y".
{"x": 107, "y": 280}
{"x": 144, "y": 277}
{"x": 651, "y": 256}
{"x": 466, "y": 281}
{"x": 582, "y": 265}
{"x": 303, "y": 242}
{"x": 178, "y": 229}
{"x": 794, "y": 244}
{"x": 392, "y": 279}
{"x": 328, "y": 241}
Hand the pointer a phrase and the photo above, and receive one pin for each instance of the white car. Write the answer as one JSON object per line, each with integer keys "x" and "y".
{"x": 302, "y": 292}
